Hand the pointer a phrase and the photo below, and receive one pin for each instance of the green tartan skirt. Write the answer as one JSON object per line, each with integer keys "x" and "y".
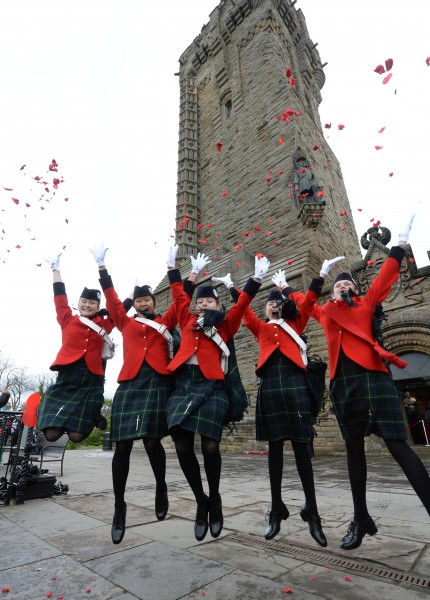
{"x": 74, "y": 401}
{"x": 366, "y": 402}
{"x": 139, "y": 406}
{"x": 197, "y": 404}
{"x": 283, "y": 408}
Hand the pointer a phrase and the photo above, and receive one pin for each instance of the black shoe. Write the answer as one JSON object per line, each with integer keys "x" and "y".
{"x": 101, "y": 423}
{"x": 201, "y": 525}
{"x": 161, "y": 503}
{"x": 315, "y": 528}
{"x": 275, "y": 518}
{"x": 216, "y": 519}
{"x": 118, "y": 525}
{"x": 356, "y": 532}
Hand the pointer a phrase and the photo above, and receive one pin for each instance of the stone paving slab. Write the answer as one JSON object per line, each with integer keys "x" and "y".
{"x": 175, "y": 532}
{"x": 83, "y": 547}
{"x": 30, "y": 582}
{"x": 45, "y": 518}
{"x": 245, "y": 586}
{"x": 31, "y": 549}
{"x": 158, "y": 571}
{"x": 258, "y": 561}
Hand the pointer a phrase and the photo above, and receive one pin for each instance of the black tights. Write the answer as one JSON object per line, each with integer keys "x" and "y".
{"x": 53, "y": 434}
{"x": 405, "y": 457}
{"x": 121, "y": 465}
{"x": 304, "y": 469}
{"x": 184, "y": 443}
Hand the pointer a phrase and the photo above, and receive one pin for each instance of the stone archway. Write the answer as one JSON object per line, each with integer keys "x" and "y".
{"x": 414, "y": 383}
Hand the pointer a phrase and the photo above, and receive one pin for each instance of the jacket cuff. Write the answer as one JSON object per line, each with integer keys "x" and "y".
{"x": 251, "y": 287}
{"x": 105, "y": 281}
{"x": 288, "y": 290}
{"x": 59, "y": 288}
{"x": 316, "y": 285}
{"x": 127, "y": 304}
{"x": 174, "y": 276}
{"x": 234, "y": 293}
{"x": 397, "y": 252}
{"x": 189, "y": 287}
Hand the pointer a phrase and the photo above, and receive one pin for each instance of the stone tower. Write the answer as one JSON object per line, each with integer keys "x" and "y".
{"x": 255, "y": 173}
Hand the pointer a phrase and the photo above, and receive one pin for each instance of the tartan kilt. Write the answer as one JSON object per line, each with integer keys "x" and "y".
{"x": 139, "y": 406}
{"x": 366, "y": 402}
{"x": 74, "y": 401}
{"x": 283, "y": 407}
{"x": 197, "y": 404}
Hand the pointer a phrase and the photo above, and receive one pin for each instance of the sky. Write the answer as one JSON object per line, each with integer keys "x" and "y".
{"x": 91, "y": 84}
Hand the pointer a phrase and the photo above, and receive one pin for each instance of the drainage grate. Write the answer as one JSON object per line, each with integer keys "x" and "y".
{"x": 338, "y": 561}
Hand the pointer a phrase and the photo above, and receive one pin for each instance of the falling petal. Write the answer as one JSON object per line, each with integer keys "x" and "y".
{"x": 219, "y": 146}
{"x": 292, "y": 82}
{"x": 378, "y": 147}
{"x": 379, "y": 69}
{"x": 340, "y": 127}
{"x": 288, "y": 72}
{"x": 327, "y": 126}
{"x": 381, "y": 130}
{"x": 387, "y": 78}
{"x": 388, "y": 64}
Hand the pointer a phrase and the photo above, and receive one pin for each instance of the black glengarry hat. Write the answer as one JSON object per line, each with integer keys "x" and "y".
{"x": 143, "y": 290}
{"x": 89, "y": 294}
{"x": 344, "y": 277}
{"x": 206, "y": 291}
{"x": 275, "y": 295}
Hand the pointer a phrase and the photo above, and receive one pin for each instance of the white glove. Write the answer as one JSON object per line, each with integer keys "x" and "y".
{"x": 261, "y": 267}
{"x": 327, "y": 265}
{"x": 54, "y": 261}
{"x": 279, "y": 279}
{"x": 171, "y": 258}
{"x": 199, "y": 263}
{"x": 226, "y": 280}
{"x": 404, "y": 236}
{"x": 99, "y": 252}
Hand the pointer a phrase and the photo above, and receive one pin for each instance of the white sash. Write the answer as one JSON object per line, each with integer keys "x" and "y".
{"x": 301, "y": 344}
{"x": 109, "y": 347}
{"x": 213, "y": 335}
{"x": 162, "y": 329}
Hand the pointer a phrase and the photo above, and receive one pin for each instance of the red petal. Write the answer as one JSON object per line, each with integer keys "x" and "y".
{"x": 205, "y": 272}
{"x": 390, "y": 174}
{"x": 287, "y": 590}
{"x": 268, "y": 179}
{"x": 281, "y": 140}
{"x": 428, "y": 61}
{"x": 200, "y": 226}
{"x": 348, "y": 579}
{"x": 239, "y": 246}
{"x": 260, "y": 255}
{"x": 23, "y": 167}
{"x": 340, "y": 127}
{"x": 219, "y": 146}
{"x": 359, "y": 209}
{"x": 371, "y": 262}
{"x": 321, "y": 193}
{"x": 27, "y": 205}
{"x": 289, "y": 261}
{"x": 411, "y": 260}
{"x": 15, "y": 200}
{"x": 269, "y": 232}
{"x": 288, "y": 72}
{"x": 315, "y": 148}
{"x": 378, "y": 147}
{"x": 381, "y": 130}
{"x": 387, "y": 78}
{"x": 292, "y": 82}
{"x": 67, "y": 220}
{"x": 224, "y": 194}
{"x": 327, "y": 125}
{"x": 379, "y": 69}
{"x": 388, "y": 64}
{"x": 238, "y": 262}
{"x": 257, "y": 228}
{"x": 8, "y": 189}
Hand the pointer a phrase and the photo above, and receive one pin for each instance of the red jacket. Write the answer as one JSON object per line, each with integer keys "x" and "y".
{"x": 196, "y": 342}
{"x": 271, "y": 336}
{"x": 78, "y": 340}
{"x": 140, "y": 342}
{"x": 357, "y": 349}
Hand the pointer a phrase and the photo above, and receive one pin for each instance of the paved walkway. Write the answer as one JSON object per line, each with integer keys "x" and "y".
{"x": 62, "y": 545}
